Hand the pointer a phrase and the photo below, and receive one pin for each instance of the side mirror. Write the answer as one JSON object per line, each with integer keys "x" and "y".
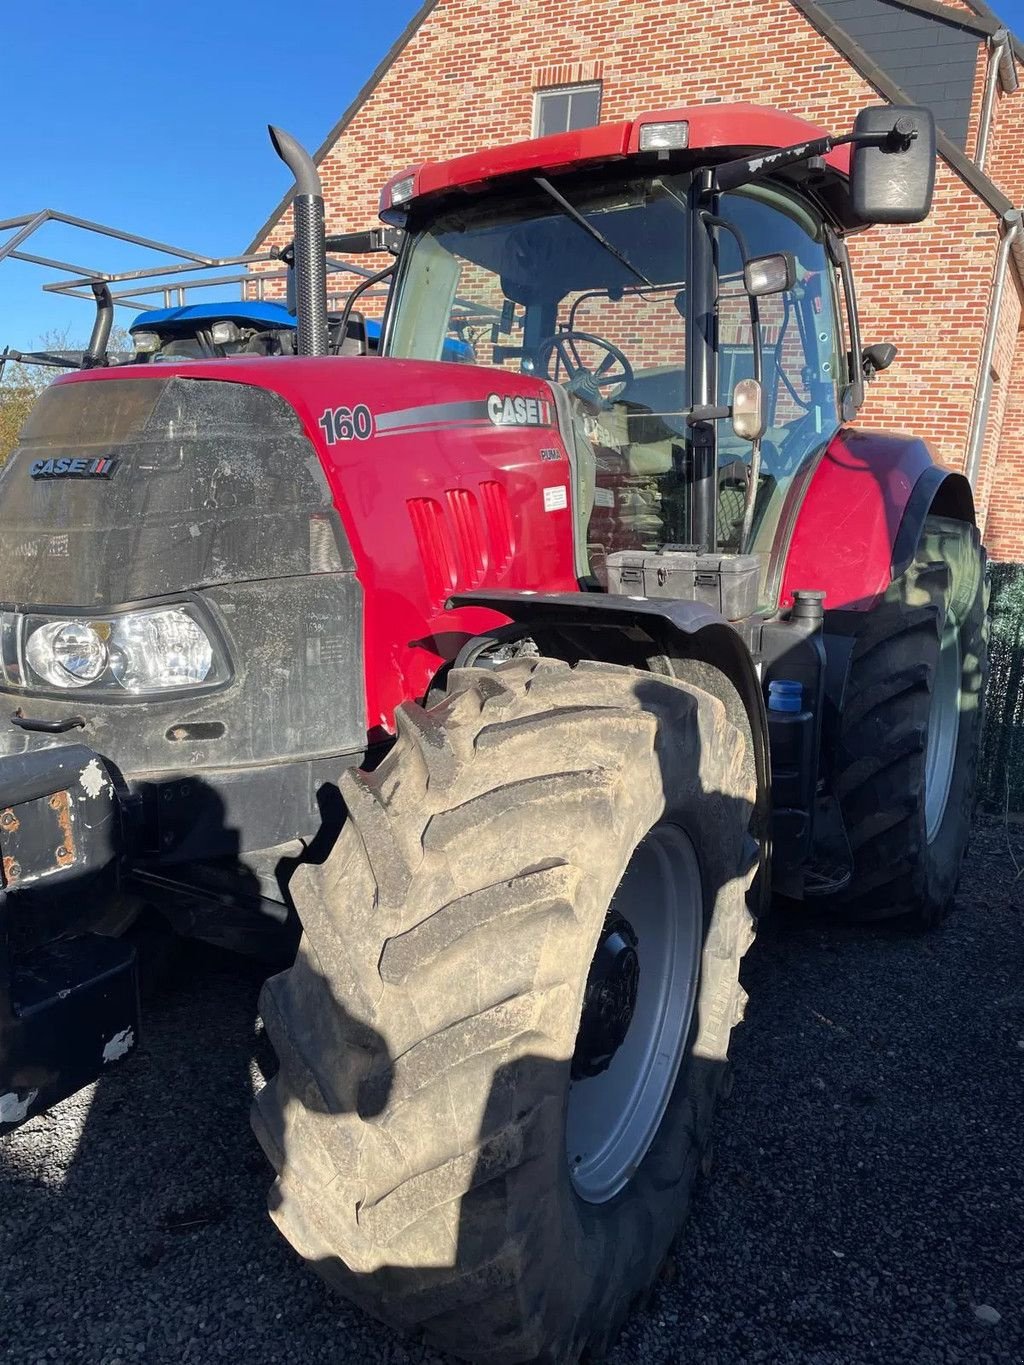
{"x": 892, "y": 175}
{"x": 769, "y": 274}
{"x": 876, "y": 358}
{"x": 748, "y": 410}
{"x": 355, "y": 341}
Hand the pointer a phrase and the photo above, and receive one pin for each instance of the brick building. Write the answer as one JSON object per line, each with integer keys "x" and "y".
{"x": 468, "y": 73}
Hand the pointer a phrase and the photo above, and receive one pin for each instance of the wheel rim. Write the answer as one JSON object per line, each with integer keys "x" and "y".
{"x": 943, "y": 729}
{"x": 613, "y": 1116}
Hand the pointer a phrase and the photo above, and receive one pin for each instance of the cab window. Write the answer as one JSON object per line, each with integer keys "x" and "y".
{"x": 800, "y": 343}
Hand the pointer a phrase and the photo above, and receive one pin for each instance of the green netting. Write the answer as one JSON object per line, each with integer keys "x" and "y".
{"x": 1001, "y": 772}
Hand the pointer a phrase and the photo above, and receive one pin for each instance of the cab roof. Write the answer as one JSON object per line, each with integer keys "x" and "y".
{"x": 719, "y": 130}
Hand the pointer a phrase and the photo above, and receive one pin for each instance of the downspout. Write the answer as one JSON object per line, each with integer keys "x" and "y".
{"x": 983, "y": 391}
{"x": 1000, "y": 65}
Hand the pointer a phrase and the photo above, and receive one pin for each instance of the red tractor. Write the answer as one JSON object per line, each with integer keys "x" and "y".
{"x": 515, "y": 685}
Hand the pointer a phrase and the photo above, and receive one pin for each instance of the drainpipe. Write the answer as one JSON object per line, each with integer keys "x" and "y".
{"x": 983, "y": 392}
{"x": 1000, "y": 65}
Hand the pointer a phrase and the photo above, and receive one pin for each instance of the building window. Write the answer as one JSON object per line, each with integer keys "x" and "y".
{"x": 561, "y": 110}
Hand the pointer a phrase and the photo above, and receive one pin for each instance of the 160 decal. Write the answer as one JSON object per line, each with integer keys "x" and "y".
{"x": 347, "y": 424}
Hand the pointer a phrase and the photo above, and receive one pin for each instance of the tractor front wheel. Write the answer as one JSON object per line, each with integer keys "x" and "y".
{"x": 503, "y": 1036}
{"x": 910, "y": 730}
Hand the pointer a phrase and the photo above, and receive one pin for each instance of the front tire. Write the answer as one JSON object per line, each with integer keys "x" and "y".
{"x": 429, "y": 1106}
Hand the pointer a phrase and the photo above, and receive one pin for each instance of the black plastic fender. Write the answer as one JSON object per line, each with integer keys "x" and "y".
{"x": 938, "y": 492}
{"x": 675, "y": 630}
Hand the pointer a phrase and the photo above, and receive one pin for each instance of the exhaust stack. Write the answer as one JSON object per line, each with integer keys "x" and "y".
{"x": 96, "y": 352}
{"x": 310, "y": 251}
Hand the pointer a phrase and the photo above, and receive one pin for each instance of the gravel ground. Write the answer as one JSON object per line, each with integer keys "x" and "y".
{"x": 866, "y": 1202}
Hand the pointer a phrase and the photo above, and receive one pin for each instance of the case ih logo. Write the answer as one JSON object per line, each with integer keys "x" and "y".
{"x": 506, "y": 411}
{"x": 70, "y": 468}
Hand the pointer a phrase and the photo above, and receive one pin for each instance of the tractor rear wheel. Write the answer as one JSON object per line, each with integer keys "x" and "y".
{"x": 502, "y": 1040}
{"x": 910, "y": 731}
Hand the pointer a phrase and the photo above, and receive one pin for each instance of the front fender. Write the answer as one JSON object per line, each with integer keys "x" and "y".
{"x": 862, "y": 515}
{"x": 674, "y": 629}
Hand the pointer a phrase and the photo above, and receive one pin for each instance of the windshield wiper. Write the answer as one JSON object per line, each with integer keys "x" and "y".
{"x": 590, "y": 230}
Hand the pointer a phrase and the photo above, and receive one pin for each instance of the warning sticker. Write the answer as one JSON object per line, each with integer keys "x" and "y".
{"x": 556, "y": 498}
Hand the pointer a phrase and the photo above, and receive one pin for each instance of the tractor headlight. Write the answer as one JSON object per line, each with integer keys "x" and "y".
{"x": 146, "y": 343}
{"x": 67, "y": 653}
{"x": 402, "y": 189}
{"x": 223, "y": 333}
{"x": 152, "y": 651}
{"x": 161, "y": 649}
{"x": 664, "y": 137}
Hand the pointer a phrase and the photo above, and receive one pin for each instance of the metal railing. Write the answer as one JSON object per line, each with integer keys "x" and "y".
{"x": 163, "y": 280}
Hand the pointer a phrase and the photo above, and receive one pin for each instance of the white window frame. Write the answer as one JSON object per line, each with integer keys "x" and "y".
{"x": 575, "y": 87}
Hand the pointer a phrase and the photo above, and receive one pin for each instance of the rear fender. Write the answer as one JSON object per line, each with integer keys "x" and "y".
{"x": 862, "y": 516}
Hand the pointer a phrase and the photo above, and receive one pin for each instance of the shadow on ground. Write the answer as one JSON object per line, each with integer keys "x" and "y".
{"x": 866, "y": 1197}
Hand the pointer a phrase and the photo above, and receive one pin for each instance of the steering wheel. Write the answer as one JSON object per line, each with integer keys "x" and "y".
{"x": 614, "y": 370}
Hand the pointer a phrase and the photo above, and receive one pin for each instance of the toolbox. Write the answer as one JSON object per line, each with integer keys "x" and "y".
{"x": 728, "y": 583}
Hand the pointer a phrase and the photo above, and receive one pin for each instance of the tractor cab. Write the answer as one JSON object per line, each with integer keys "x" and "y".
{"x": 663, "y": 305}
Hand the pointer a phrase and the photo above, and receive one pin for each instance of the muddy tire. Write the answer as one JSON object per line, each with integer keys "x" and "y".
{"x": 910, "y": 731}
{"x": 425, "y": 1118}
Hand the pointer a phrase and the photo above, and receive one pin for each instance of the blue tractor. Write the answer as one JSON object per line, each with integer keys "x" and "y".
{"x": 204, "y": 331}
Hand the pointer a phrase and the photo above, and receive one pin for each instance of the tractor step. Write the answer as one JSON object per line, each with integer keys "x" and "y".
{"x": 67, "y": 1011}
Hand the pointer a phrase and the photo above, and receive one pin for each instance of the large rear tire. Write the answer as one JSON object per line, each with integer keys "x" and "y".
{"x": 910, "y": 731}
{"x": 453, "y": 1152}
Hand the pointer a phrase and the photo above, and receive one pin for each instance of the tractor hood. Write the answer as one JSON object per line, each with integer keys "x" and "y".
{"x": 320, "y": 511}
{"x": 138, "y": 481}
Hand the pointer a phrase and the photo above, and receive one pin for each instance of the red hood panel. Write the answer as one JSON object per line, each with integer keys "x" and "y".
{"x": 446, "y": 476}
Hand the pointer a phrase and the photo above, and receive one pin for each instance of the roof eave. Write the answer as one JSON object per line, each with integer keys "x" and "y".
{"x": 977, "y": 180}
{"x": 984, "y": 12}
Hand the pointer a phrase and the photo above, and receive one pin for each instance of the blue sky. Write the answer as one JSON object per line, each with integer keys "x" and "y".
{"x": 152, "y": 117}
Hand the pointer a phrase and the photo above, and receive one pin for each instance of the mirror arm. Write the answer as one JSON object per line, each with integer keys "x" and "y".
{"x": 366, "y": 243}
{"x": 751, "y": 495}
{"x": 712, "y": 220}
{"x": 706, "y": 414}
{"x": 853, "y": 394}
{"x": 730, "y": 175}
{"x": 359, "y": 290}
{"x": 754, "y": 473}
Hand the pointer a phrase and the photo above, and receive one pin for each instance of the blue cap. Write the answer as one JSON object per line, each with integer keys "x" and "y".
{"x": 785, "y": 695}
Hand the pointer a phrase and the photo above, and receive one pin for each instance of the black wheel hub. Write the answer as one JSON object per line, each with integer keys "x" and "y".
{"x": 609, "y": 999}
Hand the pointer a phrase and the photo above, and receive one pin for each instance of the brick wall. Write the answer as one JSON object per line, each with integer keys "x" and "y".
{"x": 467, "y": 78}
{"x": 1000, "y": 491}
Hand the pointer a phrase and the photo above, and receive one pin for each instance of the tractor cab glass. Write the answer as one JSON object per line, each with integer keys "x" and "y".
{"x": 523, "y": 287}
{"x": 800, "y": 356}
{"x": 517, "y": 283}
